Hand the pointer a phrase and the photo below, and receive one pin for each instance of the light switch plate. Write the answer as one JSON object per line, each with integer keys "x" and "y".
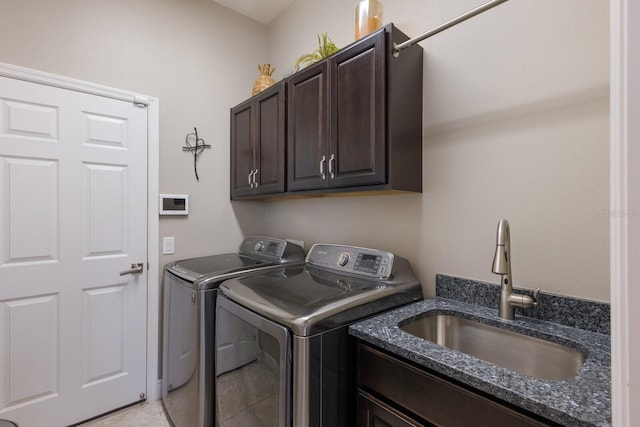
{"x": 168, "y": 245}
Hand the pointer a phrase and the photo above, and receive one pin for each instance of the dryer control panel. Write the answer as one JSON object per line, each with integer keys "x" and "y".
{"x": 352, "y": 260}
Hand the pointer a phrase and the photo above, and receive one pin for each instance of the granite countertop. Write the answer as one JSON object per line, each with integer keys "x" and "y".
{"x": 584, "y": 400}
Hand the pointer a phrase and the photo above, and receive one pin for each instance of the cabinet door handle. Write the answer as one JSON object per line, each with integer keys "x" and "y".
{"x": 323, "y": 163}
{"x": 255, "y": 181}
{"x": 249, "y": 180}
{"x": 331, "y": 163}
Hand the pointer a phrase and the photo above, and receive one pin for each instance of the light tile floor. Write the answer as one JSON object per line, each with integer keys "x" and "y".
{"x": 248, "y": 396}
{"x": 145, "y": 414}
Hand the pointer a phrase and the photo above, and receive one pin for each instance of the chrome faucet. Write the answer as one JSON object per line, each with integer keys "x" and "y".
{"x": 502, "y": 266}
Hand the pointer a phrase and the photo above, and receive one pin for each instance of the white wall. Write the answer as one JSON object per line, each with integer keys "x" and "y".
{"x": 516, "y": 125}
{"x": 197, "y": 57}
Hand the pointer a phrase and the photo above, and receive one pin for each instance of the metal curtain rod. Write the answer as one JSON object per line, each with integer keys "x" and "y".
{"x": 397, "y": 48}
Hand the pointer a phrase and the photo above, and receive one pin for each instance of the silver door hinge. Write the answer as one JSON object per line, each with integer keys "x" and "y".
{"x": 141, "y": 101}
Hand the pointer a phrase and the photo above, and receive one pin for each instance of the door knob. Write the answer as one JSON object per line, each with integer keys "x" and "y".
{"x": 135, "y": 269}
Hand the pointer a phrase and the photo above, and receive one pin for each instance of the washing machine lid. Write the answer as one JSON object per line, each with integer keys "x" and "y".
{"x": 195, "y": 268}
{"x": 316, "y": 298}
{"x": 255, "y": 253}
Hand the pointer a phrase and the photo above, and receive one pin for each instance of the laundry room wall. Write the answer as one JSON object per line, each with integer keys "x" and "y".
{"x": 515, "y": 125}
{"x": 197, "y": 57}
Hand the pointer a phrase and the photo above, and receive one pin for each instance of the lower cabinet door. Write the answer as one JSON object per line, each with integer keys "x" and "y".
{"x": 374, "y": 413}
{"x": 433, "y": 398}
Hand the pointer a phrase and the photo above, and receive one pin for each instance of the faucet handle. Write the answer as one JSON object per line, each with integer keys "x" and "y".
{"x": 536, "y": 297}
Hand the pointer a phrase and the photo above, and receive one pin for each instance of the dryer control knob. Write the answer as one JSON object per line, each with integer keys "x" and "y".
{"x": 343, "y": 259}
{"x": 259, "y": 246}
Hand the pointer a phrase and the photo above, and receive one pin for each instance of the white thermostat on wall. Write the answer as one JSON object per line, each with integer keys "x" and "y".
{"x": 174, "y": 204}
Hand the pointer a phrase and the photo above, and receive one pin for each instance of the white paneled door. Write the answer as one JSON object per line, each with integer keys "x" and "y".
{"x": 73, "y": 214}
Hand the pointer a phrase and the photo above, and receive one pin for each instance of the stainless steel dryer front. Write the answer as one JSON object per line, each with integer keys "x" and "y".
{"x": 304, "y": 371}
{"x": 190, "y": 291}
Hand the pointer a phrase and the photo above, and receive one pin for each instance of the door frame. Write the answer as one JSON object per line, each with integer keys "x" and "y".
{"x": 624, "y": 214}
{"x": 153, "y": 164}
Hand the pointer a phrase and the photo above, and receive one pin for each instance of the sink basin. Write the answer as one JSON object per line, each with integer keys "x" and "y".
{"x": 521, "y": 353}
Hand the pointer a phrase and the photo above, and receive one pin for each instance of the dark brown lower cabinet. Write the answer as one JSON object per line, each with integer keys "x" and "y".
{"x": 395, "y": 393}
{"x": 373, "y": 412}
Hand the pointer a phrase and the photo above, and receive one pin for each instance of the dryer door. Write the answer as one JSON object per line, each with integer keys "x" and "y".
{"x": 258, "y": 392}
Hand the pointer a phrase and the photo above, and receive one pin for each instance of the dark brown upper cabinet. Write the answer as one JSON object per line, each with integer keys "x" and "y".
{"x": 355, "y": 119}
{"x": 336, "y": 120}
{"x": 258, "y": 144}
{"x": 308, "y": 128}
{"x": 353, "y": 123}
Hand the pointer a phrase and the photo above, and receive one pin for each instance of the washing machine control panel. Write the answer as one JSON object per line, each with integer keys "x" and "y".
{"x": 263, "y": 246}
{"x": 352, "y": 260}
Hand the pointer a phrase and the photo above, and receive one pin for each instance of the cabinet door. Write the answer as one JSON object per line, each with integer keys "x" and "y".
{"x": 358, "y": 115}
{"x": 432, "y": 398}
{"x": 374, "y": 413}
{"x": 241, "y": 149}
{"x": 307, "y": 138}
{"x": 269, "y": 140}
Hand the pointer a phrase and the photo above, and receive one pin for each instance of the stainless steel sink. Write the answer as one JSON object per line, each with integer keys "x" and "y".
{"x": 520, "y": 353}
